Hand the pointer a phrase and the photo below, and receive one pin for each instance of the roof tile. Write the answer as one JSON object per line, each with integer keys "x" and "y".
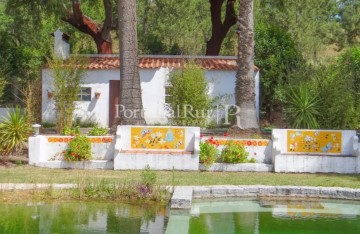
{"x": 152, "y": 62}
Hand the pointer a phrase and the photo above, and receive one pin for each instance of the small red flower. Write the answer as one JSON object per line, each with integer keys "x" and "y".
{"x": 225, "y": 134}
{"x": 211, "y": 138}
{"x": 201, "y": 135}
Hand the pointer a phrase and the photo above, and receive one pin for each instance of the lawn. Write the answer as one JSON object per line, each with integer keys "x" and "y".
{"x": 28, "y": 174}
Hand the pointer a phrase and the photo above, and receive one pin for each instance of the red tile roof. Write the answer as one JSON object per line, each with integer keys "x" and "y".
{"x": 100, "y": 62}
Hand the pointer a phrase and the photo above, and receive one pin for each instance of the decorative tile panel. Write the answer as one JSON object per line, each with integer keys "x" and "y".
{"x": 157, "y": 138}
{"x": 314, "y": 141}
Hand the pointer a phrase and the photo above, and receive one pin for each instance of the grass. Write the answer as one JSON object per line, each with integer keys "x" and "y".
{"x": 28, "y": 174}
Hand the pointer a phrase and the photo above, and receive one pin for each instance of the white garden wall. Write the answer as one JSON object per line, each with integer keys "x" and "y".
{"x": 161, "y": 148}
{"x": 313, "y": 151}
{"x": 46, "y": 151}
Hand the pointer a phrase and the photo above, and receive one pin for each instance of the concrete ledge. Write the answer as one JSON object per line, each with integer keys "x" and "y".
{"x": 92, "y": 164}
{"x": 258, "y": 167}
{"x": 182, "y": 197}
{"x": 275, "y": 191}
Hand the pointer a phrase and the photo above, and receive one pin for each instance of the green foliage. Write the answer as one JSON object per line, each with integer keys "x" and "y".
{"x": 208, "y": 152}
{"x": 79, "y": 149}
{"x": 160, "y": 35}
{"x": 67, "y": 82}
{"x": 14, "y": 131}
{"x": 235, "y": 153}
{"x": 71, "y": 131}
{"x": 277, "y": 57}
{"x": 188, "y": 98}
{"x": 148, "y": 177}
{"x": 3, "y": 83}
{"x": 301, "y": 108}
{"x": 98, "y": 131}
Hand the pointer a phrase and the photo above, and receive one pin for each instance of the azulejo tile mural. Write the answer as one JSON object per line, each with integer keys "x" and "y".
{"x": 314, "y": 141}
{"x": 157, "y": 138}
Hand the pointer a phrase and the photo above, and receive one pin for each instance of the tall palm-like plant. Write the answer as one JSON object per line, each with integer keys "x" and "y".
{"x": 245, "y": 82}
{"x": 14, "y": 131}
{"x": 130, "y": 89}
{"x": 302, "y": 108}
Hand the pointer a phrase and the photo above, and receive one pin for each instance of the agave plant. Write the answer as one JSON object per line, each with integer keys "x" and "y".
{"x": 14, "y": 131}
{"x": 302, "y": 108}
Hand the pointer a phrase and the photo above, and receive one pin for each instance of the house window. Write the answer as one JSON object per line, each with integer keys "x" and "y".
{"x": 167, "y": 91}
{"x": 85, "y": 94}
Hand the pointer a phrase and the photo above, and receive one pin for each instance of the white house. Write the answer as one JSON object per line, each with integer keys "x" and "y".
{"x": 100, "y": 89}
{"x": 103, "y": 78}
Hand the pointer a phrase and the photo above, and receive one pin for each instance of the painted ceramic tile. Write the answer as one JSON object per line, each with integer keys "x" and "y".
{"x": 67, "y": 139}
{"x": 311, "y": 141}
{"x": 157, "y": 138}
{"x": 245, "y": 142}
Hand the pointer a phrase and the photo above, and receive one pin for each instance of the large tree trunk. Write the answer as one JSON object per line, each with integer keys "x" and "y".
{"x": 131, "y": 108}
{"x": 219, "y": 28}
{"x": 245, "y": 81}
{"x": 83, "y": 23}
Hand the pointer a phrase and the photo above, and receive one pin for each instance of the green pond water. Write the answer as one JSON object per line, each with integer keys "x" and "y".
{"x": 234, "y": 216}
{"x": 82, "y": 217}
{"x": 212, "y": 216}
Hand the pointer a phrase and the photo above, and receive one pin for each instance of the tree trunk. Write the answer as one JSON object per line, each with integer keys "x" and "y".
{"x": 220, "y": 29}
{"x": 131, "y": 108}
{"x": 245, "y": 81}
{"x": 83, "y": 23}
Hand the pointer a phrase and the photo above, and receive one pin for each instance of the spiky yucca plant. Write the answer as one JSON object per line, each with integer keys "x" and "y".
{"x": 302, "y": 108}
{"x": 14, "y": 132}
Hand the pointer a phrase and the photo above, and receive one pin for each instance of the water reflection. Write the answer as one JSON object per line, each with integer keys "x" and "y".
{"x": 82, "y": 217}
{"x": 236, "y": 216}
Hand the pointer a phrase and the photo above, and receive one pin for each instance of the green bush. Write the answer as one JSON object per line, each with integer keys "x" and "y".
{"x": 208, "y": 153}
{"x": 79, "y": 149}
{"x": 235, "y": 153}
{"x": 148, "y": 177}
{"x": 98, "y": 131}
{"x": 14, "y": 132}
{"x": 188, "y": 96}
{"x": 71, "y": 131}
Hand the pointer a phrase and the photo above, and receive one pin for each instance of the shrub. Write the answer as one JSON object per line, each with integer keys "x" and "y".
{"x": 148, "y": 177}
{"x": 208, "y": 153}
{"x": 14, "y": 132}
{"x": 98, "y": 131}
{"x": 79, "y": 149}
{"x": 73, "y": 131}
{"x": 188, "y": 96}
{"x": 67, "y": 83}
{"x": 235, "y": 153}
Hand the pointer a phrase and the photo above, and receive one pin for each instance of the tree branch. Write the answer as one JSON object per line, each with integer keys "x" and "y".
{"x": 107, "y": 25}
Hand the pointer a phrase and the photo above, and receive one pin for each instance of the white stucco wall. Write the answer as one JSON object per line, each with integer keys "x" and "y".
{"x": 221, "y": 83}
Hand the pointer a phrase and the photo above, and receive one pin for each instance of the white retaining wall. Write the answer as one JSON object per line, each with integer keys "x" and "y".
{"x": 46, "y": 151}
{"x": 164, "y": 159}
{"x": 346, "y": 162}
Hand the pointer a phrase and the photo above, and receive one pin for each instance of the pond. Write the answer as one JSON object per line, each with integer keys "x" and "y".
{"x": 205, "y": 216}
{"x": 82, "y": 217}
{"x": 244, "y": 216}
